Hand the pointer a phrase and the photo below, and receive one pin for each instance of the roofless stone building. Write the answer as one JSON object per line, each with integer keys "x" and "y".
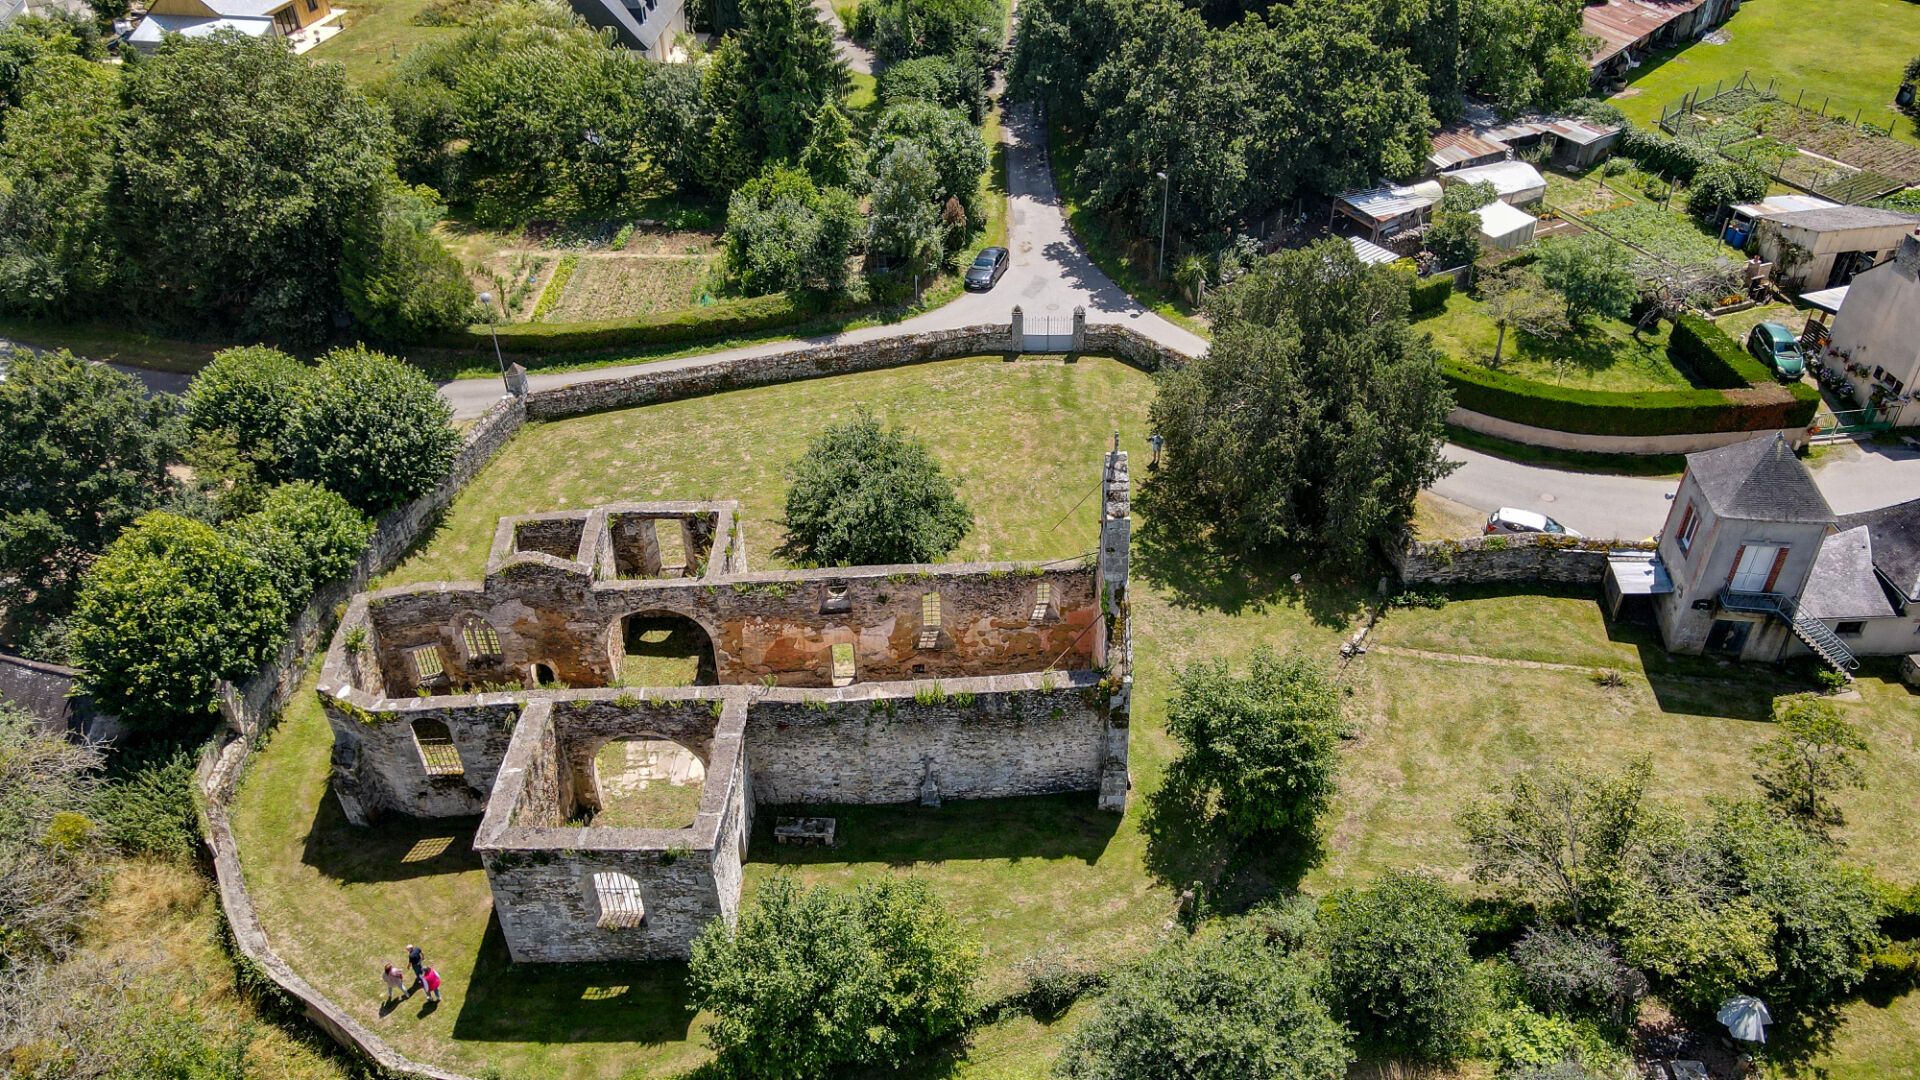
{"x": 615, "y": 814}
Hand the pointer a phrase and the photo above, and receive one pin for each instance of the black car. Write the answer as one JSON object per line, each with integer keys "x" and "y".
{"x": 986, "y": 270}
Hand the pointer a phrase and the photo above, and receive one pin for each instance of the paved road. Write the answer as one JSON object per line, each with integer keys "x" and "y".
{"x": 1049, "y": 276}
{"x": 857, "y": 57}
{"x": 156, "y": 382}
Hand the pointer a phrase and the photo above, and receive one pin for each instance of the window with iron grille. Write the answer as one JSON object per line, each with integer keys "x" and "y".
{"x": 481, "y": 639}
{"x": 437, "y": 752}
{"x": 621, "y": 907}
{"x": 930, "y": 620}
{"x": 426, "y": 661}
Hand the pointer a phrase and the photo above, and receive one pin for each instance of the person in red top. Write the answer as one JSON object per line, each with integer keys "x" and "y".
{"x": 432, "y": 979}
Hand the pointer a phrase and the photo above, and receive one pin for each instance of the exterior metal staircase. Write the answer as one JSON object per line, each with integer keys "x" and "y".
{"x": 1815, "y": 634}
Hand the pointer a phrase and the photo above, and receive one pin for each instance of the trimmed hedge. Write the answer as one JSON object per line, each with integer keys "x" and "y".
{"x": 1595, "y": 412}
{"x": 1658, "y": 152}
{"x": 1431, "y": 295}
{"x": 1715, "y": 358}
{"x": 726, "y": 318}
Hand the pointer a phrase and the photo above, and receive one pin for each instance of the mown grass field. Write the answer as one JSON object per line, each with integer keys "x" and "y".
{"x": 1604, "y": 354}
{"x": 1851, "y": 51}
{"x": 1447, "y": 701}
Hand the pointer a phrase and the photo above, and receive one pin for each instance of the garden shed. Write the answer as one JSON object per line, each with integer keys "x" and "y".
{"x": 1516, "y": 182}
{"x": 1840, "y": 242}
{"x": 1388, "y": 210}
{"x": 1504, "y": 227}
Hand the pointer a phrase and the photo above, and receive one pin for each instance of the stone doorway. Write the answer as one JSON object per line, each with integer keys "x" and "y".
{"x": 661, "y": 649}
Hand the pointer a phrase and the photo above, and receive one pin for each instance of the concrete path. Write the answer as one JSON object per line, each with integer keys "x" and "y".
{"x": 1049, "y": 276}
{"x": 857, "y": 56}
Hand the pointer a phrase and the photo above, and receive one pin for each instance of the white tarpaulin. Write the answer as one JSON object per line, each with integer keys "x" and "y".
{"x": 1516, "y": 182}
{"x": 1503, "y": 227}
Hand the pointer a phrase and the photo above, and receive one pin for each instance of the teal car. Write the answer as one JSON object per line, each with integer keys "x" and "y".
{"x": 1775, "y": 346}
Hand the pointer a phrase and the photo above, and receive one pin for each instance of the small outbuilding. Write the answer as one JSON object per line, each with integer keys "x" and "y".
{"x": 1840, "y": 241}
{"x": 1516, "y": 182}
{"x": 1504, "y": 227}
{"x": 1388, "y": 210}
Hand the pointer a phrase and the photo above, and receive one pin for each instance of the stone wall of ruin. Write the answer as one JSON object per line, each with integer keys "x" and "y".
{"x": 973, "y": 739}
{"x": 377, "y": 767}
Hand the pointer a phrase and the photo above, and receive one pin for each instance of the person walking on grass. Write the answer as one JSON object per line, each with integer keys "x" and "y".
{"x": 396, "y": 983}
{"x": 432, "y": 979}
{"x": 416, "y": 960}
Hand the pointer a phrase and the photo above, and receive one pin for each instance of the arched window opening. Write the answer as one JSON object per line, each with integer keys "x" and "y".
{"x": 661, "y": 649}
{"x": 621, "y": 907}
{"x": 647, "y": 781}
{"x": 438, "y": 754}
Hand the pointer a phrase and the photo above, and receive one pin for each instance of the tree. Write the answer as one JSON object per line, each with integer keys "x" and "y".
{"x": 834, "y": 157}
{"x": 1314, "y": 419}
{"x": 1524, "y": 54}
{"x": 306, "y": 536}
{"x": 1230, "y": 1004}
{"x": 958, "y": 153}
{"x": 241, "y": 170}
{"x": 370, "y": 427}
{"x": 1516, "y": 298}
{"x": 1559, "y": 836}
{"x": 83, "y": 451}
{"x": 1571, "y": 970}
{"x": 1400, "y": 966}
{"x": 765, "y": 85}
{"x": 1266, "y": 744}
{"x": 784, "y": 233}
{"x": 1590, "y": 273}
{"x": 1815, "y": 754}
{"x": 29, "y": 39}
{"x": 250, "y": 394}
{"x": 906, "y": 218}
{"x": 56, "y": 162}
{"x": 396, "y": 276}
{"x": 904, "y": 30}
{"x": 867, "y": 495}
{"x": 169, "y": 609}
{"x": 812, "y": 980}
{"x": 49, "y": 857}
{"x": 1462, "y": 198}
{"x": 1720, "y": 184}
{"x": 947, "y": 81}
{"x": 1454, "y": 238}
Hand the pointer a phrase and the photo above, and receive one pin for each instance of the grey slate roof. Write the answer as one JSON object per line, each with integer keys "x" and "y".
{"x": 1758, "y": 480}
{"x": 1842, "y": 585}
{"x": 1838, "y": 218}
{"x": 1896, "y": 542}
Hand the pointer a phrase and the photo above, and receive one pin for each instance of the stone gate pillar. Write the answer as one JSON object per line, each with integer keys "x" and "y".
{"x": 1016, "y": 331}
{"x": 1080, "y": 332}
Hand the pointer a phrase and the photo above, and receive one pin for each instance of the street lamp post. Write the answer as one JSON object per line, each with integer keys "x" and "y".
{"x": 486, "y": 300}
{"x": 1160, "y": 264}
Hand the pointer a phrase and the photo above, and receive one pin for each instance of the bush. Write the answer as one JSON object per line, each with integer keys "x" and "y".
{"x": 1454, "y": 239}
{"x": 726, "y": 318}
{"x": 1566, "y": 970}
{"x": 810, "y": 981}
{"x": 251, "y": 393}
{"x": 1599, "y": 412}
{"x": 1400, "y": 967}
{"x": 939, "y": 80}
{"x": 370, "y": 427}
{"x": 1659, "y": 153}
{"x": 306, "y": 535}
{"x": 396, "y": 276}
{"x": 1223, "y": 1006}
{"x": 1723, "y": 183}
{"x": 1430, "y": 294}
{"x": 172, "y": 607}
{"x": 864, "y": 495}
{"x": 1714, "y": 358}
{"x": 145, "y": 806}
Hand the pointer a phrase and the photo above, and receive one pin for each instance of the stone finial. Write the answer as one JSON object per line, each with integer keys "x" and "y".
{"x": 516, "y": 380}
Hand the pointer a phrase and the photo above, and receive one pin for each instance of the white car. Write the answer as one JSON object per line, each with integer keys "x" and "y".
{"x": 1507, "y": 519}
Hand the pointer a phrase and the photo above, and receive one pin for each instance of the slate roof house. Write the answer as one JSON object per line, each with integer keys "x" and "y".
{"x": 1754, "y": 565}
{"x": 299, "y": 21}
{"x": 1875, "y": 337}
{"x": 645, "y": 26}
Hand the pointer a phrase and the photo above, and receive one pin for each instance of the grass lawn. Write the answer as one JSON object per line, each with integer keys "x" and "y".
{"x": 379, "y": 34}
{"x": 1603, "y": 355}
{"x": 1021, "y": 874}
{"x": 1851, "y": 50}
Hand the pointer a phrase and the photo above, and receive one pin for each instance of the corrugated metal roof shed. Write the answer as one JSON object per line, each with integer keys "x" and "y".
{"x": 1620, "y": 23}
{"x": 1371, "y": 253}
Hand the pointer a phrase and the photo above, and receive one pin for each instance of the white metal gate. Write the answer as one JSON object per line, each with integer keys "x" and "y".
{"x": 1047, "y": 334}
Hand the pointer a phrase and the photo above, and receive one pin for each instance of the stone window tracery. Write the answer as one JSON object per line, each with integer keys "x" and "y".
{"x": 479, "y": 636}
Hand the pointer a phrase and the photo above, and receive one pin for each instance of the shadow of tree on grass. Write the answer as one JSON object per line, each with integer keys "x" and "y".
{"x": 1188, "y": 844}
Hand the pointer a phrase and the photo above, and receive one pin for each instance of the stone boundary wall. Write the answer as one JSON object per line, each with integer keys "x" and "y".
{"x": 251, "y": 707}
{"x": 1483, "y": 560}
{"x": 1613, "y": 444}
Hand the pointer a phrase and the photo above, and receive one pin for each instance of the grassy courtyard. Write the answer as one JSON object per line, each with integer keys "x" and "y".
{"x": 1605, "y": 354}
{"x": 1446, "y": 701}
{"x": 1850, "y": 50}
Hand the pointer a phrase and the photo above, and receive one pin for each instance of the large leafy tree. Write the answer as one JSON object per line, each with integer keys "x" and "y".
{"x": 170, "y": 608}
{"x": 249, "y": 393}
{"x": 1815, "y": 754}
{"x": 83, "y": 451}
{"x": 784, "y": 233}
{"x": 305, "y": 535}
{"x": 1591, "y": 273}
{"x": 968, "y": 30}
{"x": 56, "y": 162}
{"x": 864, "y": 495}
{"x": 370, "y": 427}
{"x": 1523, "y": 54}
{"x": 397, "y": 278}
{"x": 1401, "y": 970}
{"x": 242, "y": 170}
{"x": 765, "y": 85}
{"x": 1560, "y": 836}
{"x": 813, "y": 980}
{"x": 1246, "y": 1002}
{"x": 906, "y": 225}
{"x": 1266, "y": 743}
{"x": 959, "y": 154}
{"x": 1314, "y": 419}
